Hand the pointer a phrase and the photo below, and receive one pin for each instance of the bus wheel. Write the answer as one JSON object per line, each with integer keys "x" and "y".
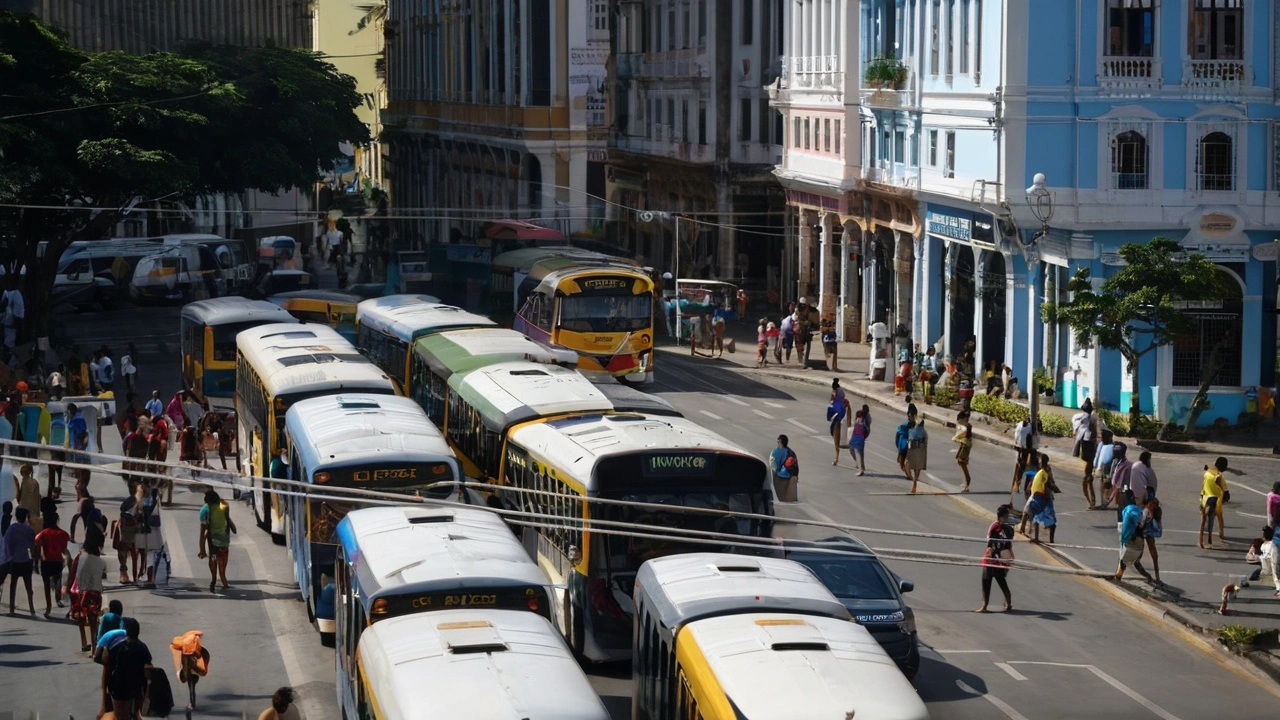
{"x": 256, "y": 497}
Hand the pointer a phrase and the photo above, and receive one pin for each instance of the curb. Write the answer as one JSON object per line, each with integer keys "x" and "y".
{"x": 1194, "y": 634}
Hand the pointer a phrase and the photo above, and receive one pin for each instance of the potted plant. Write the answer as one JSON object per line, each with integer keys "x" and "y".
{"x": 885, "y": 72}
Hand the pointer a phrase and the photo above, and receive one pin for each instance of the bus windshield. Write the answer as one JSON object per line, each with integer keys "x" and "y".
{"x": 224, "y": 339}
{"x": 606, "y": 313}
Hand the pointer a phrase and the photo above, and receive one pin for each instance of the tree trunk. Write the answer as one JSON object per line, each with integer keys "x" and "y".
{"x": 1135, "y": 405}
{"x": 1208, "y": 374}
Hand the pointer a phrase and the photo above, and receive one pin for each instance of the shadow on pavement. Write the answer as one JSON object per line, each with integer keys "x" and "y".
{"x": 936, "y": 682}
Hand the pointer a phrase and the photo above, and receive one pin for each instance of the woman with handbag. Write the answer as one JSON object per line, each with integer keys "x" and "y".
{"x": 997, "y": 557}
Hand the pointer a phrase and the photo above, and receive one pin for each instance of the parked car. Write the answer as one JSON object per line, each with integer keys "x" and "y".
{"x": 871, "y": 592}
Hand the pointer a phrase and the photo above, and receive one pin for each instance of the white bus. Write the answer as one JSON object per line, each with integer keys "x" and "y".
{"x": 490, "y": 664}
{"x": 720, "y": 637}
{"x": 372, "y": 442}
{"x": 395, "y": 561}
{"x": 629, "y": 458}
{"x": 387, "y": 326}
{"x": 276, "y": 366}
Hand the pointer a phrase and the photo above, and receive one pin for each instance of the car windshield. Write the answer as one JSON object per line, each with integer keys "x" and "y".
{"x": 848, "y": 577}
{"x": 606, "y": 313}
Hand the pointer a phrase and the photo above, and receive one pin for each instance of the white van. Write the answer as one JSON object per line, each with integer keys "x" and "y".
{"x": 97, "y": 271}
{"x": 233, "y": 265}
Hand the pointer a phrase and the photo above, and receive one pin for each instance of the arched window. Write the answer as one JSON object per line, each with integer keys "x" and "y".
{"x": 1216, "y": 162}
{"x": 1129, "y": 161}
{"x": 1216, "y": 326}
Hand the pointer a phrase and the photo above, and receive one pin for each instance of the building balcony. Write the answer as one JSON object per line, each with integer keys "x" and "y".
{"x": 813, "y": 72}
{"x": 1119, "y": 75}
{"x": 898, "y": 175}
{"x": 1215, "y": 79}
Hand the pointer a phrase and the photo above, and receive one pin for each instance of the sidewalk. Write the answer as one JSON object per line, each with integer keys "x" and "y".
{"x": 1194, "y": 578}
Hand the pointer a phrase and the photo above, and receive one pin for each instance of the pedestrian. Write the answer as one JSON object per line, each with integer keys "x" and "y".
{"x": 900, "y": 439}
{"x": 1040, "y": 497}
{"x": 964, "y": 445}
{"x": 6, "y": 517}
{"x": 83, "y": 475}
{"x": 1046, "y": 517}
{"x": 1121, "y": 474}
{"x": 85, "y": 591}
{"x": 742, "y": 303}
{"x": 1152, "y": 528}
{"x": 1211, "y": 495}
{"x": 129, "y": 371}
{"x": 124, "y": 536}
{"x": 1131, "y": 542}
{"x": 866, "y": 415}
{"x": 787, "y": 334}
{"x": 1026, "y": 441}
{"x": 1273, "y": 505}
{"x": 154, "y": 406}
{"x": 174, "y": 410}
{"x": 836, "y": 413}
{"x": 19, "y": 551}
{"x": 1268, "y": 554}
{"x": 57, "y": 383}
{"x": 917, "y": 451}
{"x": 112, "y": 619}
{"x": 1085, "y": 426}
{"x": 193, "y": 410}
{"x": 717, "y": 336}
{"x": 997, "y": 557}
{"x": 150, "y": 540}
{"x": 126, "y": 674}
{"x": 227, "y": 443}
{"x": 830, "y": 347}
{"x": 771, "y": 335}
{"x": 27, "y": 493}
{"x": 52, "y": 543}
{"x": 158, "y": 452}
{"x": 282, "y": 706}
{"x": 804, "y": 334}
{"x": 786, "y": 470}
{"x": 1142, "y": 479}
{"x": 1103, "y": 459}
{"x": 189, "y": 448}
{"x": 95, "y": 525}
{"x": 14, "y": 310}
{"x": 761, "y": 344}
{"x": 216, "y": 527}
{"x": 137, "y": 447}
{"x": 106, "y": 370}
{"x": 858, "y": 442}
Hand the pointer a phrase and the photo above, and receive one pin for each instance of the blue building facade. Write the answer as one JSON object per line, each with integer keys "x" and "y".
{"x": 1152, "y": 118}
{"x": 1146, "y": 118}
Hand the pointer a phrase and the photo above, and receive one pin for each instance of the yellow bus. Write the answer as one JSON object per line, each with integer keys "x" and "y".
{"x": 327, "y": 307}
{"x": 386, "y": 328}
{"x": 276, "y": 366}
{"x": 724, "y": 637}
{"x": 209, "y": 329}
{"x": 603, "y": 312}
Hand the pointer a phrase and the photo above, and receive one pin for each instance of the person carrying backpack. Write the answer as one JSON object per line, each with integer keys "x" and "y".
{"x": 786, "y": 470}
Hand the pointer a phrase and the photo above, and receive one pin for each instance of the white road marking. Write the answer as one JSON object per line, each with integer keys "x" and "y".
{"x": 801, "y": 425}
{"x": 772, "y": 404}
{"x": 311, "y": 706}
{"x": 1251, "y": 515}
{"x": 1001, "y": 705}
{"x": 959, "y": 652}
{"x": 763, "y": 414}
{"x": 711, "y": 415}
{"x": 1133, "y": 694}
{"x": 736, "y": 401}
{"x": 1012, "y": 673}
{"x": 1250, "y": 489}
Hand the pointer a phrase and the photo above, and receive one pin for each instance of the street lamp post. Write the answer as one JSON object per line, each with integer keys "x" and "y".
{"x": 1041, "y": 202}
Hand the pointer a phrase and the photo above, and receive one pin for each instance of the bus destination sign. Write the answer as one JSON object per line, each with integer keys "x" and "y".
{"x": 391, "y": 475}
{"x": 668, "y": 464}
{"x": 606, "y": 283}
{"x": 501, "y": 598}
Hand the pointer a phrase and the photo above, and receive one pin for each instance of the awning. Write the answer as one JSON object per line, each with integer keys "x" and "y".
{"x": 518, "y": 230}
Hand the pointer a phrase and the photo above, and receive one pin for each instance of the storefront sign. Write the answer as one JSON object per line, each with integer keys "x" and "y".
{"x": 808, "y": 199}
{"x": 1217, "y": 225}
{"x": 949, "y": 226}
{"x": 1266, "y": 252}
{"x": 1220, "y": 251}
{"x": 1113, "y": 259}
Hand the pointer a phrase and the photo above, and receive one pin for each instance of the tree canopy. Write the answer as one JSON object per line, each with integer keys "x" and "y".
{"x": 1142, "y": 306}
{"x": 97, "y": 131}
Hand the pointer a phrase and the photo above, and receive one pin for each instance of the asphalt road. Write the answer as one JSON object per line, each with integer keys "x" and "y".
{"x": 1066, "y": 651}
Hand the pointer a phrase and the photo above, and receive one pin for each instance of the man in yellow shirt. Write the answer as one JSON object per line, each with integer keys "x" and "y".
{"x": 1039, "y": 493}
{"x": 1211, "y": 498}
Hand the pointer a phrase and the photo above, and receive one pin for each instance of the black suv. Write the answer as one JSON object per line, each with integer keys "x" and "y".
{"x": 868, "y": 589}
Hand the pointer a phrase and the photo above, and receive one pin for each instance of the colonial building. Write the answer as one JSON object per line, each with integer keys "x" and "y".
{"x": 1154, "y": 118}
{"x": 495, "y": 109}
{"x": 692, "y": 132}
